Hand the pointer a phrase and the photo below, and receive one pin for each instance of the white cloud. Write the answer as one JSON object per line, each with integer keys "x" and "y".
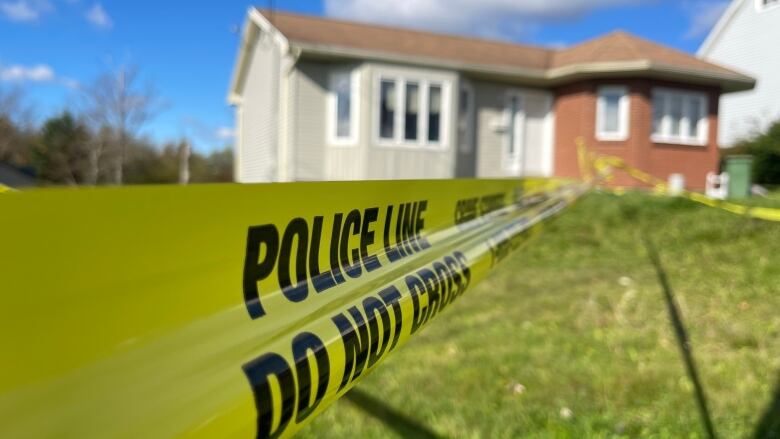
{"x": 505, "y": 18}
{"x": 703, "y": 15}
{"x": 70, "y": 83}
{"x": 224, "y": 133}
{"x": 39, "y": 73}
{"x": 25, "y": 10}
{"x": 19, "y": 73}
{"x": 99, "y": 17}
{"x": 206, "y": 133}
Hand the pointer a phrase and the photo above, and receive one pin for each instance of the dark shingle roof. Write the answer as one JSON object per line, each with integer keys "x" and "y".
{"x": 615, "y": 47}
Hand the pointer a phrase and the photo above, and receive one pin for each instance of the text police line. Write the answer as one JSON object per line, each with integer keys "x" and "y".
{"x": 302, "y": 240}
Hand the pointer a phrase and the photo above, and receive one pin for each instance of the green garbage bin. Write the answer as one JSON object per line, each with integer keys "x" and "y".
{"x": 739, "y": 168}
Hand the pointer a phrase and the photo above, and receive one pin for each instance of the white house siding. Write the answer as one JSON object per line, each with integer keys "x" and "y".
{"x": 491, "y": 103}
{"x": 315, "y": 159}
{"x": 258, "y": 115}
{"x": 348, "y": 162}
{"x": 747, "y": 42}
{"x": 308, "y": 146}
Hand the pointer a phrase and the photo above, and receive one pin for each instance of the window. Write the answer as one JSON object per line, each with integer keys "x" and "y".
{"x": 676, "y": 115}
{"x": 387, "y": 103}
{"x": 412, "y": 114}
{"x": 421, "y": 113}
{"x": 762, "y": 5}
{"x": 679, "y": 117}
{"x": 342, "y": 107}
{"x": 434, "y": 113}
{"x": 612, "y": 113}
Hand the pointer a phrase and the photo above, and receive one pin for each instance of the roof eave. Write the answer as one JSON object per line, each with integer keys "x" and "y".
{"x": 543, "y": 77}
{"x": 336, "y": 52}
{"x": 248, "y": 36}
{"x": 727, "y": 82}
{"x": 255, "y": 24}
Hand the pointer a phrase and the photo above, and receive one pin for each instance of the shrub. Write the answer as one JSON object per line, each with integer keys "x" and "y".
{"x": 765, "y": 149}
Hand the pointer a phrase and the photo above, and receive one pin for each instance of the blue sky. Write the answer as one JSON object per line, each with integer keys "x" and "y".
{"x": 49, "y": 48}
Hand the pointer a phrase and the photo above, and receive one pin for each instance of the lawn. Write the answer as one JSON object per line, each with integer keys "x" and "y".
{"x": 571, "y": 337}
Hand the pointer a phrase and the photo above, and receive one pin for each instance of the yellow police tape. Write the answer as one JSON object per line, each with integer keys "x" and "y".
{"x": 230, "y": 310}
{"x": 603, "y": 165}
{"x": 4, "y": 188}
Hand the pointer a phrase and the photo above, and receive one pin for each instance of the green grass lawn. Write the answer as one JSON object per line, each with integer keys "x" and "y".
{"x": 571, "y": 337}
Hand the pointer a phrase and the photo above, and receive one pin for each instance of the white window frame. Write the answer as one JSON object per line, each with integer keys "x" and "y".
{"x": 332, "y": 108}
{"x": 701, "y": 137}
{"x": 761, "y": 7}
{"x": 624, "y": 113}
{"x": 424, "y": 84}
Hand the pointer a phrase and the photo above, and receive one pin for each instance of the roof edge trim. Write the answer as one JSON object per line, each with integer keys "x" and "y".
{"x": 729, "y": 82}
{"x": 255, "y": 24}
{"x": 716, "y": 31}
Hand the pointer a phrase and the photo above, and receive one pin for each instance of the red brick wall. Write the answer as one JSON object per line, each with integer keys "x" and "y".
{"x": 575, "y": 116}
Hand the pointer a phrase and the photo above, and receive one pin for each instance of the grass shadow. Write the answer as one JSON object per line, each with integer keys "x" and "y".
{"x": 681, "y": 335}
{"x": 393, "y": 419}
{"x": 769, "y": 425}
{"x": 637, "y": 214}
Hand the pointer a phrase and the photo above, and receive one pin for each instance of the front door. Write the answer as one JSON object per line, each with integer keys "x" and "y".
{"x": 528, "y": 134}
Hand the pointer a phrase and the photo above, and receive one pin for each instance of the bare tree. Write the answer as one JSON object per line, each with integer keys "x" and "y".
{"x": 15, "y": 121}
{"x": 100, "y": 142}
{"x": 117, "y": 100}
{"x": 184, "y": 162}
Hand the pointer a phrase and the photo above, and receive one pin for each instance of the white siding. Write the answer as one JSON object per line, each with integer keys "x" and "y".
{"x": 308, "y": 97}
{"x": 312, "y": 157}
{"x": 748, "y": 42}
{"x": 258, "y": 115}
{"x": 349, "y": 162}
{"x": 305, "y": 153}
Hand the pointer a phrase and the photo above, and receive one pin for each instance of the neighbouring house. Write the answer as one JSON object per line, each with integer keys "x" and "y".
{"x": 746, "y": 39}
{"x": 322, "y": 99}
{"x": 14, "y": 177}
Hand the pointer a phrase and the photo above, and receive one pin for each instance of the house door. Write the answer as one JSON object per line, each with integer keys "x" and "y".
{"x": 528, "y": 134}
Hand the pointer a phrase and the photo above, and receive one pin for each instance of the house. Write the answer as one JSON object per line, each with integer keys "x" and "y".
{"x": 322, "y": 99}
{"x": 745, "y": 38}
{"x": 13, "y": 177}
